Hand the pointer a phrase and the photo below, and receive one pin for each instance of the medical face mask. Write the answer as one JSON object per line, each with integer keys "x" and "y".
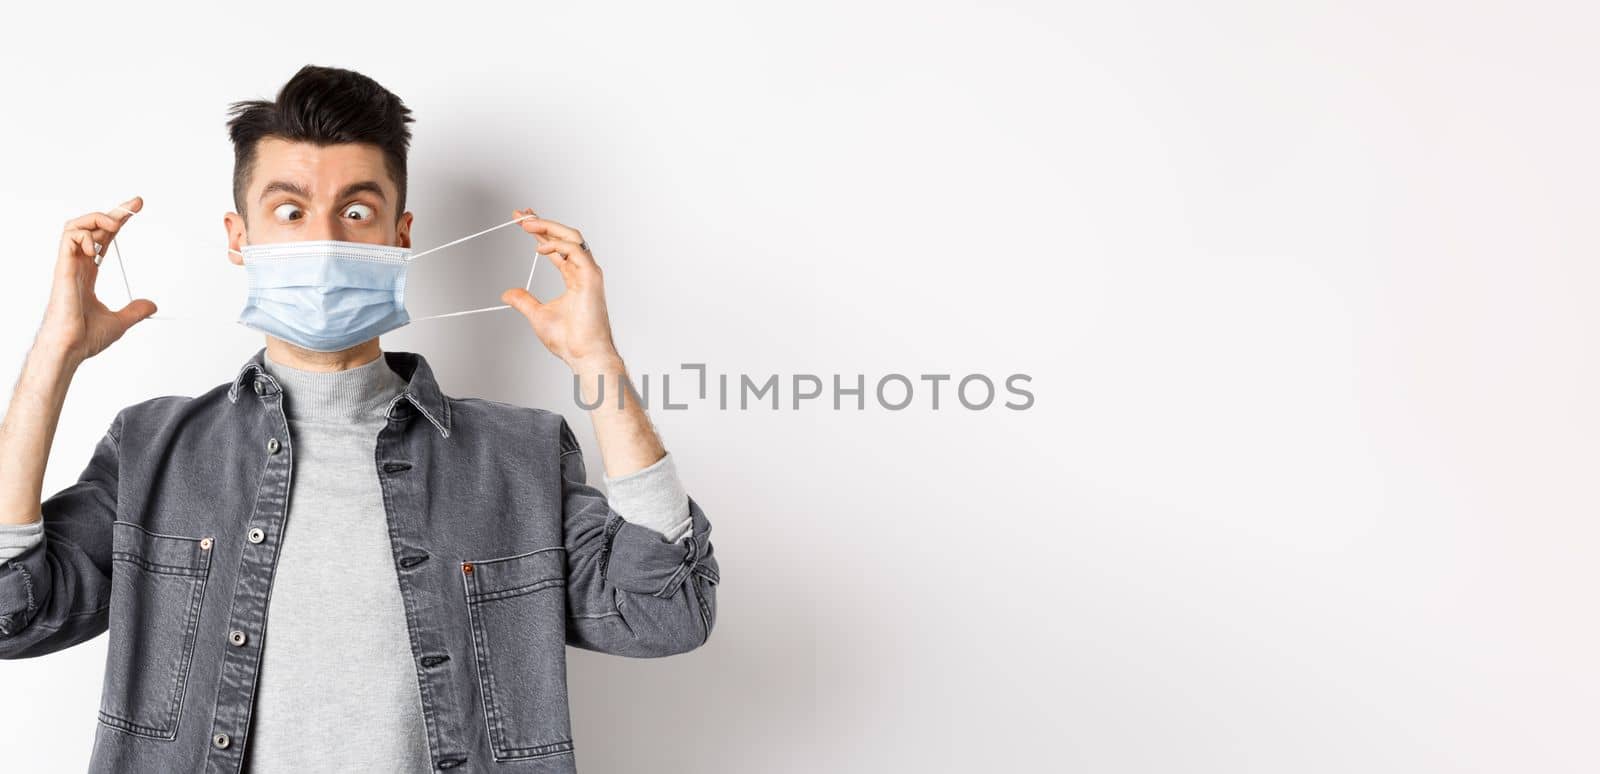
{"x": 329, "y": 295}
{"x": 325, "y": 295}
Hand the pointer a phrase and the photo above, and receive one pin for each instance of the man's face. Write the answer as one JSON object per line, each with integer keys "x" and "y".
{"x": 301, "y": 191}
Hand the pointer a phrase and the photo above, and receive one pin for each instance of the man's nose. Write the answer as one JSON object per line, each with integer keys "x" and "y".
{"x": 336, "y": 227}
{"x": 326, "y": 228}
{"x": 320, "y": 229}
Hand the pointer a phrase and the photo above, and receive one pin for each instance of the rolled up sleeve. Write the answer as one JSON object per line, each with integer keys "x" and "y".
{"x": 631, "y": 591}
{"x": 17, "y": 538}
{"x": 55, "y": 592}
{"x": 653, "y": 497}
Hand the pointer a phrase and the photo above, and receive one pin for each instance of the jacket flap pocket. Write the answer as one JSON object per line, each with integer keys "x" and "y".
{"x": 159, "y": 552}
{"x": 522, "y": 572}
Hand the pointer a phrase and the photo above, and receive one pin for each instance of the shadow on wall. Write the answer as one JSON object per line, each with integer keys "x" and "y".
{"x": 735, "y": 703}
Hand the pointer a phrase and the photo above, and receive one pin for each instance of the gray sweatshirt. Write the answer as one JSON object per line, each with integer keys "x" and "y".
{"x": 336, "y": 654}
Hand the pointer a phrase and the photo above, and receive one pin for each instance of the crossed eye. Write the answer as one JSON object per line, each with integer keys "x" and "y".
{"x": 289, "y": 211}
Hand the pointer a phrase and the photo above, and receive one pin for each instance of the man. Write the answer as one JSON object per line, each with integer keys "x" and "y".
{"x": 327, "y": 563}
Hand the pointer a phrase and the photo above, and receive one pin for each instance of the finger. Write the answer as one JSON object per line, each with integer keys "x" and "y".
{"x": 112, "y": 221}
{"x": 91, "y": 242}
{"x": 568, "y": 268}
{"x": 563, "y": 252}
{"x": 136, "y": 310}
{"x": 100, "y": 220}
{"x": 101, "y": 237}
{"x": 529, "y": 226}
{"x": 549, "y": 228}
{"x": 521, "y": 300}
{"x": 92, "y": 233}
{"x": 131, "y": 206}
{"x": 74, "y": 265}
{"x": 79, "y": 243}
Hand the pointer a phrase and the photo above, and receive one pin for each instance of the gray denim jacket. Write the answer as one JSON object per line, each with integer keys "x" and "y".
{"x": 504, "y": 555}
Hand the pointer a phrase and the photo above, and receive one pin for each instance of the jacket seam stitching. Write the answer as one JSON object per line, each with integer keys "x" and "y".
{"x": 53, "y": 627}
{"x": 523, "y": 590}
{"x": 27, "y": 585}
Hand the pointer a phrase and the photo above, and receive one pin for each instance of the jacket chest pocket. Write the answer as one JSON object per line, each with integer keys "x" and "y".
{"x": 516, "y": 607}
{"x": 157, "y": 584}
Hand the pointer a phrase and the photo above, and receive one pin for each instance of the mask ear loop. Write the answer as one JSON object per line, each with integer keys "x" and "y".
{"x": 122, "y": 267}
{"x": 528, "y": 286}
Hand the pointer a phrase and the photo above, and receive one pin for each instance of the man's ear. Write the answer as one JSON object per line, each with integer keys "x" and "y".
{"x": 237, "y": 237}
{"x": 402, "y": 236}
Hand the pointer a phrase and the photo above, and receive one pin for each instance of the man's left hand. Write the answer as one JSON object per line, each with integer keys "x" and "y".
{"x": 574, "y": 326}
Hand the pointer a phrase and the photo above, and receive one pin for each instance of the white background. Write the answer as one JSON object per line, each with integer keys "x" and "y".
{"x": 1305, "y": 290}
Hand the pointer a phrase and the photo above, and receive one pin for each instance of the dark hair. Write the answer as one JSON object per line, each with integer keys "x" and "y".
{"x": 323, "y": 105}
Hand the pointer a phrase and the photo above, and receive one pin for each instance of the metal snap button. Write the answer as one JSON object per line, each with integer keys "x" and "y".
{"x": 220, "y": 741}
{"x": 256, "y": 535}
{"x": 259, "y": 386}
{"x": 273, "y": 446}
{"x": 236, "y": 637}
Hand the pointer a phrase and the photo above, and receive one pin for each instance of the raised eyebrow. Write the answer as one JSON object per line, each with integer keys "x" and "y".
{"x": 285, "y": 186}
{"x": 300, "y": 190}
{"x": 370, "y": 186}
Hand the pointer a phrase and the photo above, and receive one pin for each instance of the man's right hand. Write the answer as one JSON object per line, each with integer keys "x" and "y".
{"x": 76, "y": 323}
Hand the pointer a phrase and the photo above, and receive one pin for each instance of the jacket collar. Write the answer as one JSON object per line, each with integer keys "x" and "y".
{"x": 421, "y": 389}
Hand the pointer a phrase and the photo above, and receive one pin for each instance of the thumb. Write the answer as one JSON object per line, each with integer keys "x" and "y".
{"x": 136, "y": 310}
{"x": 522, "y": 301}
